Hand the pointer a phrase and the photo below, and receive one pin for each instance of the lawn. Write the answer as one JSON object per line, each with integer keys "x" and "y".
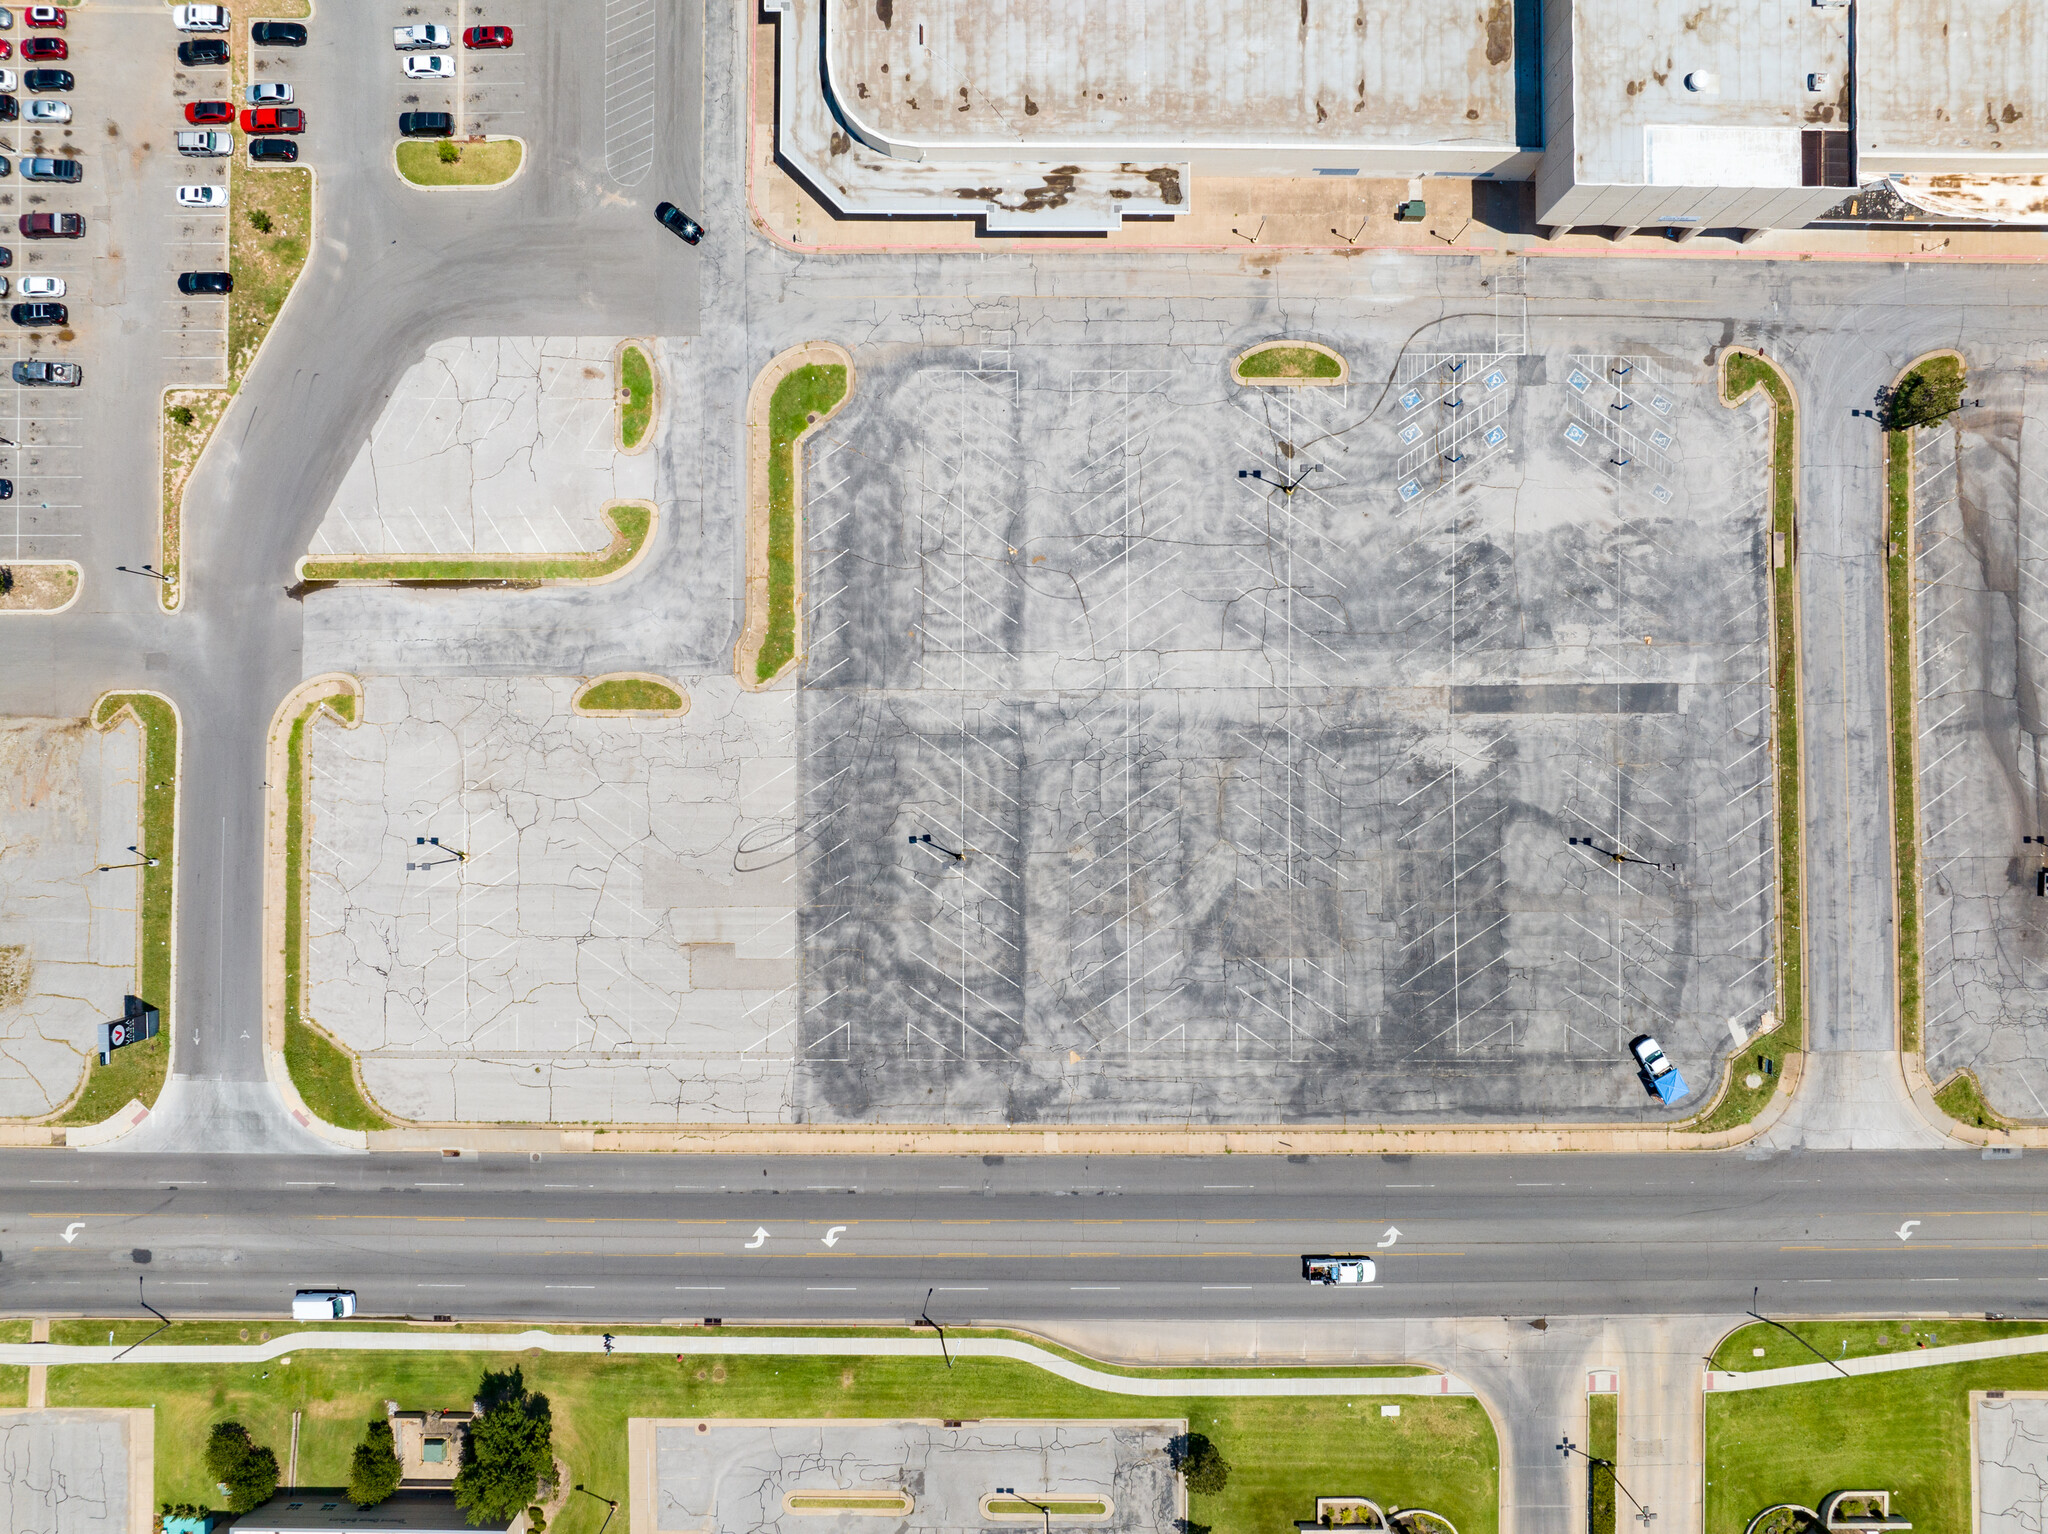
{"x": 636, "y": 377}
{"x": 41, "y": 586}
{"x": 1290, "y": 362}
{"x": 801, "y": 400}
{"x": 1962, "y": 1099}
{"x": 1908, "y": 1433}
{"x": 1603, "y": 1415}
{"x": 486, "y": 164}
{"x": 630, "y": 692}
{"x": 190, "y": 416}
{"x": 322, "y": 1070}
{"x": 1905, "y": 787}
{"x": 1863, "y": 1339}
{"x": 270, "y": 219}
{"x": 1439, "y": 1453}
{"x": 138, "y": 1070}
{"x": 630, "y": 526}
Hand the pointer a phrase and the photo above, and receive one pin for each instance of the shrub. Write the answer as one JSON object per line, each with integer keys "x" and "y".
{"x": 373, "y": 1473}
{"x": 182, "y": 414}
{"x": 260, "y": 219}
{"x": 6, "y": 580}
{"x": 1931, "y": 393}
{"x": 448, "y": 152}
{"x": 1199, "y": 1461}
{"x": 246, "y": 1468}
{"x": 511, "y": 1449}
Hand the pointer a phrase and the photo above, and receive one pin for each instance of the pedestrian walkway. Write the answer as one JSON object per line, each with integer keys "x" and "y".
{"x": 1721, "y": 1382}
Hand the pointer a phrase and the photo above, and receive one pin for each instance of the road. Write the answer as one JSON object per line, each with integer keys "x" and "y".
{"x": 626, "y": 1239}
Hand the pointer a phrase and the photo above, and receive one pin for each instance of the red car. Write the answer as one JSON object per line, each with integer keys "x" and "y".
{"x": 6, "y": 49}
{"x": 487, "y": 37}
{"x": 45, "y": 48}
{"x": 273, "y": 120}
{"x": 52, "y": 226}
{"x": 44, "y": 16}
{"x": 201, "y": 112}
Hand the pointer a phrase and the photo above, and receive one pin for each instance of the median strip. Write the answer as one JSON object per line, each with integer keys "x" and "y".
{"x": 632, "y": 528}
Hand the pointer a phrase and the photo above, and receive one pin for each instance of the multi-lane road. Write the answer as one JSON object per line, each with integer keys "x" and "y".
{"x": 616, "y": 1238}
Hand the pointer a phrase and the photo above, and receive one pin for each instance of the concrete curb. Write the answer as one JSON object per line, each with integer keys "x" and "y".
{"x": 650, "y": 351}
{"x": 1343, "y": 366}
{"x": 511, "y": 561}
{"x": 276, "y": 766}
{"x": 525, "y": 157}
{"x": 576, "y": 702}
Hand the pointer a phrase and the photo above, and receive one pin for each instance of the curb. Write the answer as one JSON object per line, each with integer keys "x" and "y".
{"x": 525, "y": 157}
{"x": 77, "y": 588}
{"x": 576, "y": 701}
{"x": 653, "y": 527}
{"x": 1343, "y": 366}
{"x": 649, "y": 350}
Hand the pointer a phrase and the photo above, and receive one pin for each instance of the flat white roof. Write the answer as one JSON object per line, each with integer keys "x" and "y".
{"x": 1952, "y": 76}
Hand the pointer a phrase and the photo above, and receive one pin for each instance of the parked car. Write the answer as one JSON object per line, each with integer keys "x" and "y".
{"x": 278, "y": 34}
{"x": 49, "y": 112}
{"x": 205, "y": 284}
{"x": 279, "y": 149}
{"x": 323, "y": 1304}
{"x": 421, "y": 36}
{"x": 43, "y": 16}
{"x": 6, "y": 256}
{"x": 6, "y": 489}
{"x": 36, "y": 372}
{"x": 209, "y": 112}
{"x": 38, "y": 80}
{"x": 205, "y": 144}
{"x": 44, "y": 48}
{"x": 52, "y": 226}
{"x": 41, "y": 168}
{"x": 197, "y": 51}
{"x": 7, "y": 80}
{"x": 201, "y": 18}
{"x": 6, "y": 17}
{"x": 487, "y": 37}
{"x": 10, "y": 109}
{"x": 1657, "y": 1070}
{"x": 674, "y": 218}
{"x": 202, "y": 197}
{"x": 39, "y": 316}
{"x": 6, "y": 49}
{"x": 270, "y": 93}
{"x": 430, "y": 66}
{"x": 273, "y": 120}
{"x": 425, "y": 124}
{"x": 36, "y": 287}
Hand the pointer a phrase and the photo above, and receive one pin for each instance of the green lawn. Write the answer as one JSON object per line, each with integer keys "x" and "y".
{"x": 801, "y": 400}
{"x": 1865, "y": 1339}
{"x": 1741, "y": 374}
{"x": 630, "y": 527}
{"x": 486, "y": 164}
{"x": 1290, "y": 362}
{"x": 1962, "y": 1098}
{"x": 630, "y": 692}
{"x": 321, "y": 1069}
{"x": 1908, "y": 1433}
{"x": 1603, "y": 1413}
{"x": 636, "y": 377}
{"x": 265, "y": 261}
{"x": 138, "y": 1071}
{"x": 1438, "y": 1453}
{"x": 1905, "y": 788}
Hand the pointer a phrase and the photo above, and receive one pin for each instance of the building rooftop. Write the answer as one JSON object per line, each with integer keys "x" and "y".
{"x": 1071, "y": 76}
{"x": 1703, "y": 92}
{"x": 1950, "y": 78}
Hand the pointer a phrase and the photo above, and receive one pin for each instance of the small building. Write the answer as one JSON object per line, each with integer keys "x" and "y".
{"x": 188, "y": 1523}
{"x": 327, "y": 1510}
{"x": 428, "y": 1443}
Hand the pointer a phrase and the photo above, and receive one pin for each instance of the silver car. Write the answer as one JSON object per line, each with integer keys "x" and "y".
{"x": 48, "y": 112}
{"x": 270, "y": 93}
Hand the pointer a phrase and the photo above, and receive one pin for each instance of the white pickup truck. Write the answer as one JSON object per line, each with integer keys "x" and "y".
{"x": 1338, "y": 1270}
{"x": 424, "y": 35}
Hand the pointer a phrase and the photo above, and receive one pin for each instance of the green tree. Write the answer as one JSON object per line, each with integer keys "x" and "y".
{"x": 1200, "y": 1463}
{"x": 373, "y": 1473}
{"x": 246, "y": 1468}
{"x": 1931, "y": 393}
{"x": 510, "y": 1450}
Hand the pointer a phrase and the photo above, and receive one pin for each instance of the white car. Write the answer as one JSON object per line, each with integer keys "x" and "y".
{"x": 48, "y": 112}
{"x": 40, "y": 287}
{"x": 6, "y": 79}
{"x": 270, "y": 93}
{"x": 200, "y": 18}
{"x": 422, "y": 36}
{"x": 202, "y": 197}
{"x": 430, "y": 66}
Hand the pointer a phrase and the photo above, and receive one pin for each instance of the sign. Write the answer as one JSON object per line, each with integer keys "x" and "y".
{"x": 139, "y": 1023}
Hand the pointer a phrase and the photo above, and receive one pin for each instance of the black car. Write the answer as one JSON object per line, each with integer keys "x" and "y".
{"x": 674, "y": 218}
{"x": 273, "y": 149}
{"x": 6, "y": 489}
{"x": 41, "y": 168}
{"x": 205, "y": 282}
{"x": 40, "y": 80}
{"x": 202, "y": 50}
{"x": 425, "y": 124}
{"x": 40, "y": 315}
{"x": 6, "y": 257}
{"x": 277, "y": 34}
{"x": 10, "y": 110}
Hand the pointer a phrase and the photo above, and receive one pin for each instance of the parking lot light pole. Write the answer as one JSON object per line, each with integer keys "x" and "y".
{"x": 435, "y": 842}
{"x": 149, "y": 570}
{"x": 1567, "y": 1448}
{"x": 926, "y": 841}
{"x": 1013, "y": 1492}
{"x": 107, "y": 868}
{"x": 610, "y": 1506}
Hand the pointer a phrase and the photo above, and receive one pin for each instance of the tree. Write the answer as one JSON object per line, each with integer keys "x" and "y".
{"x": 1931, "y": 393}
{"x": 373, "y": 1473}
{"x": 246, "y": 1468}
{"x": 1200, "y": 1462}
{"x": 510, "y": 1450}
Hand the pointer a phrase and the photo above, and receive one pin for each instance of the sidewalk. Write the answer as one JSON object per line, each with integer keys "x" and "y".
{"x": 1721, "y": 1382}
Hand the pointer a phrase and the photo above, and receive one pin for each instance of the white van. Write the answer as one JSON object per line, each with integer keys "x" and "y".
{"x": 198, "y": 141}
{"x": 200, "y": 18}
{"x": 323, "y": 1304}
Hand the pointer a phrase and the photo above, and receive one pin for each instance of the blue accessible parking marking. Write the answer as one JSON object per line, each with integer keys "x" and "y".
{"x": 1663, "y": 495}
{"x": 1410, "y": 432}
{"x": 1497, "y": 436}
{"x": 1660, "y": 440}
{"x": 1579, "y": 381}
{"x": 1661, "y": 405}
{"x": 1411, "y": 399}
{"x": 1411, "y": 490}
{"x": 1575, "y": 434}
{"x": 1495, "y": 379}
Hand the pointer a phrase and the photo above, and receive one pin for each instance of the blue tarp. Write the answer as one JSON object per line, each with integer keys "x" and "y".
{"x": 1670, "y": 1086}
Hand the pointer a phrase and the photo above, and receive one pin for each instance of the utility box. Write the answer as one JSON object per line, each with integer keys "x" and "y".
{"x": 1413, "y": 211}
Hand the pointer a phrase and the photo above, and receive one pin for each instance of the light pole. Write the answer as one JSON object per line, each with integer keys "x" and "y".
{"x": 1284, "y": 486}
{"x": 610, "y": 1506}
{"x": 925, "y": 1317}
{"x": 149, "y": 570}
{"x": 1013, "y": 1492}
{"x": 1567, "y": 1448}
{"x": 926, "y": 840}
{"x": 1611, "y": 856}
{"x": 107, "y": 868}
{"x": 435, "y": 842}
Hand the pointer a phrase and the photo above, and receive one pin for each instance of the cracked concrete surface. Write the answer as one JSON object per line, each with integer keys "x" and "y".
{"x": 728, "y": 1474}
{"x": 619, "y": 942}
{"x": 2011, "y": 1440}
{"x": 67, "y": 934}
{"x": 491, "y": 444}
{"x": 1981, "y": 557}
{"x": 65, "y": 1472}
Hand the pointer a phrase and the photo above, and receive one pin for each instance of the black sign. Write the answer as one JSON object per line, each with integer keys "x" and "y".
{"x": 140, "y": 1023}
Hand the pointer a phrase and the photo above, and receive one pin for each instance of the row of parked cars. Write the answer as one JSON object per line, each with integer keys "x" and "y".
{"x": 267, "y": 113}
{"x": 424, "y": 61}
{"x": 39, "y": 299}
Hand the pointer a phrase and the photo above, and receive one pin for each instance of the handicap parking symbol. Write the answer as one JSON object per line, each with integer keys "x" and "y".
{"x": 1497, "y": 436}
{"x": 1409, "y": 433}
{"x": 1575, "y": 434}
{"x": 1579, "y": 381}
{"x": 1411, "y": 399}
{"x": 1495, "y": 379}
{"x": 1411, "y": 490}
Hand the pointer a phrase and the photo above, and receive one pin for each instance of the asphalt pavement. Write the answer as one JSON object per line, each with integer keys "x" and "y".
{"x": 638, "y": 1239}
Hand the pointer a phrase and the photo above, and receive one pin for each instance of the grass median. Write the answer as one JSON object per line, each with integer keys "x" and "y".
{"x": 629, "y": 692}
{"x": 426, "y": 162}
{"x": 1603, "y": 1419}
{"x": 1904, "y": 697}
{"x": 321, "y": 1069}
{"x": 138, "y": 1070}
{"x": 630, "y": 527}
{"x": 801, "y": 400}
{"x": 1439, "y": 1453}
{"x": 636, "y": 378}
{"x": 1290, "y": 362}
